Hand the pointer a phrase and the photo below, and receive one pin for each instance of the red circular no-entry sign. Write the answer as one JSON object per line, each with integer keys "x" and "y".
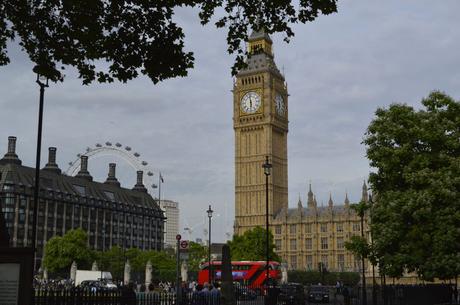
{"x": 184, "y": 244}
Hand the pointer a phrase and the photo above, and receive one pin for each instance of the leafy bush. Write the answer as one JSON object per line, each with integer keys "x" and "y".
{"x": 330, "y": 278}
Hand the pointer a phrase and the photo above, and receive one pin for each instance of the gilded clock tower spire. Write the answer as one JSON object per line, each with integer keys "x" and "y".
{"x": 260, "y": 121}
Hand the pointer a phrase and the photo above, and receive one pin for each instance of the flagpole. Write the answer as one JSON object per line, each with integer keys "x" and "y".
{"x": 159, "y": 189}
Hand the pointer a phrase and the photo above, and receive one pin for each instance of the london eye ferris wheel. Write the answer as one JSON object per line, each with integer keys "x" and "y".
{"x": 126, "y": 153}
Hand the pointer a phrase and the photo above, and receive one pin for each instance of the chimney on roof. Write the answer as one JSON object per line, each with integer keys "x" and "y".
{"x": 83, "y": 172}
{"x": 10, "y": 156}
{"x": 111, "y": 179}
{"x": 51, "y": 165}
{"x": 139, "y": 184}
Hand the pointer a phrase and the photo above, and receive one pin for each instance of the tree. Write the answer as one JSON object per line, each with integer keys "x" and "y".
{"x": 416, "y": 154}
{"x": 359, "y": 244}
{"x": 60, "y": 252}
{"x": 251, "y": 246}
{"x": 112, "y": 260}
{"x": 134, "y": 37}
{"x": 197, "y": 254}
{"x": 163, "y": 263}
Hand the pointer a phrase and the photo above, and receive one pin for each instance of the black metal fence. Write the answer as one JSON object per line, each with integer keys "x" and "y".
{"x": 434, "y": 294}
{"x": 244, "y": 295}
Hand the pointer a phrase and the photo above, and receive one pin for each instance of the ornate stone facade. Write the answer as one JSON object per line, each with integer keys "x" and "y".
{"x": 307, "y": 236}
{"x": 260, "y": 120}
{"x": 304, "y": 236}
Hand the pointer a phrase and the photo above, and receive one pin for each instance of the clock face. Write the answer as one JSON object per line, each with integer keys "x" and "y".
{"x": 250, "y": 102}
{"x": 279, "y": 104}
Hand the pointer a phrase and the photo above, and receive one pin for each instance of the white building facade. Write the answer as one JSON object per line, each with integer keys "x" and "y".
{"x": 171, "y": 212}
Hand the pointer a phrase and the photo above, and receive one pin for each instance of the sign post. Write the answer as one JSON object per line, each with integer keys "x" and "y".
{"x": 178, "y": 284}
{"x": 183, "y": 249}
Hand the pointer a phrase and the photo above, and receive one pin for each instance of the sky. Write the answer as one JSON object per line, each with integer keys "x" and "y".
{"x": 339, "y": 70}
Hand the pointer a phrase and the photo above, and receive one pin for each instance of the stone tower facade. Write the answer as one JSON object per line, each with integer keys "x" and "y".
{"x": 260, "y": 121}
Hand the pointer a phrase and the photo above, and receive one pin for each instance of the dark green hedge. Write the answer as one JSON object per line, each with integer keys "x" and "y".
{"x": 330, "y": 278}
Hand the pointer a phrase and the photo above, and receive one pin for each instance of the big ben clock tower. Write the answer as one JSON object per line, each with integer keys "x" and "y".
{"x": 260, "y": 121}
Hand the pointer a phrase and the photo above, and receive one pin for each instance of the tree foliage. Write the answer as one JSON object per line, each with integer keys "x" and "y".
{"x": 113, "y": 260}
{"x": 251, "y": 246}
{"x": 197, "y": 255}
{"x": 359, "y": 245}
{"x": 135, "y": 37}
{"x": 416, "y": 217}
{"x": 60, "y": 252}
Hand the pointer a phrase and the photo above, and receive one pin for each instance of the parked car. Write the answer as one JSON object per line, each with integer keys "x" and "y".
{"x": 318, "y": 294}
{"x": 291, "y": 294}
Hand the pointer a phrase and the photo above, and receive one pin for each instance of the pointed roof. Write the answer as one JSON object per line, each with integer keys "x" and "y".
{"x": 263, "y": 59}
{"x": 330, "y": 202}
{"x": 258, "y": 35}
{"x": 299, "y": 203}
{"x": 364, "y": 196}
{"x": 347, "y": 201}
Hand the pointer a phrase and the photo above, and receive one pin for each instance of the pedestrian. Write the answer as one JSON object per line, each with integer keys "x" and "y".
{"x": 128, "y": 296}
{"x": 337, "y": 288}
{"x": 346, "y": 295}
{"x": 214, "y": 294}
{"x": 198, "y": 297}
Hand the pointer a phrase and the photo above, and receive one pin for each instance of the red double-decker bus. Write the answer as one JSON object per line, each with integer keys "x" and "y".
{"x": 249, "y": 273}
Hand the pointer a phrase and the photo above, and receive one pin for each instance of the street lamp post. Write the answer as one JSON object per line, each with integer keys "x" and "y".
{"x": 209, "y": 211}
{"x": 43, "y": 83}
{"x": 267, "y": 171}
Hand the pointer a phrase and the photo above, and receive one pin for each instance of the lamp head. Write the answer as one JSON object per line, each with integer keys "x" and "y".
{"x": 42, "y": 80}
{"x": 209, "y": 211}
{"x": 267, "y": 167}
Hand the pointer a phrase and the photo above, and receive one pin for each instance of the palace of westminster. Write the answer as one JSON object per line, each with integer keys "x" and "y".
{"x": 304, "y": 236}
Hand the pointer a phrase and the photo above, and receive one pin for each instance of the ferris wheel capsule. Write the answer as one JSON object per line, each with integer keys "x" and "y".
{"x": 128, "y": 148}
{"x": 150, "y": 174}
{"x": 136, "y": 154}
{"x": 118, "y": 145}
{"x": 144, "y": 163}
{"x": 108, "y": 143}
{"x": 98, "y": 145}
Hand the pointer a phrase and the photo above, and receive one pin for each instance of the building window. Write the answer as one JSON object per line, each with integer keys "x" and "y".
{"x": 309, "y": 262}
{"x": 324, "y": 261}
{"x": 339, "y": 242}
{"x": 341, "y": 262}
{"x": 339, "y": 227}
{"x": 308, "y": 243}
{"x": 80, "y": 189}
{"x": 277, "y": 229}
{"x": 324, "y": 243}
{"x": 356, "y": 226}
{"x": 278, "y": 244}
{"x": 293, "y": 244}
{"x": 308, "y": 228}
{"x": 324, "y": 227}
{"x": 356, "y": 263}
{"x": 293, "y": 262}
{"x": 292, "y": 229}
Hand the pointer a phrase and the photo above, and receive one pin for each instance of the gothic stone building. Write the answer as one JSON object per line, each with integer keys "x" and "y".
{"x": 304, "y": 236}
{"x": 109, "y": 213}
{"x": 308, "y": 236}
